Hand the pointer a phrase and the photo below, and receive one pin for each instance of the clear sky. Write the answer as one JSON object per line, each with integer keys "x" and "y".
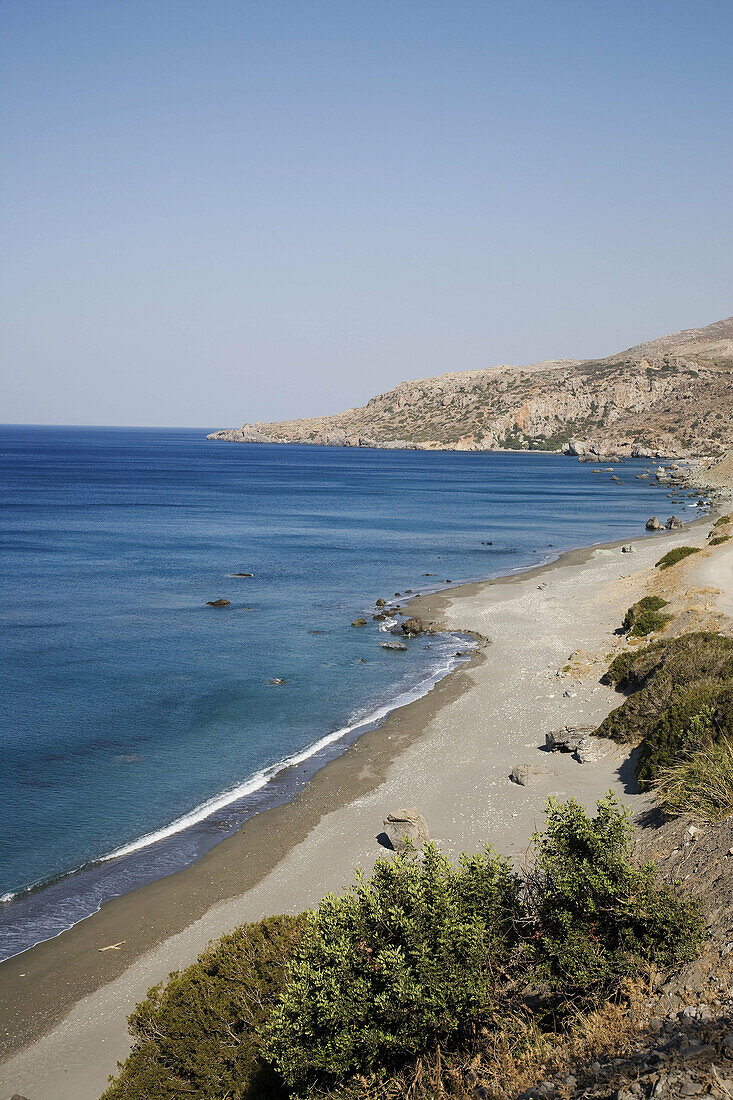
{"x": 216, "y": 211}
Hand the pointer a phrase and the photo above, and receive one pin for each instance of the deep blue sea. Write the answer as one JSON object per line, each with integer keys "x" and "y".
{"x": 141, "y": 724}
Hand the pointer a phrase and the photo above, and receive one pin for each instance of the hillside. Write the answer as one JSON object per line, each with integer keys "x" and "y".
{"x": 671, "y": 396}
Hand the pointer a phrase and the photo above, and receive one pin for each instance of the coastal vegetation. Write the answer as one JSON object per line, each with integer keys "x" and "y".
{"x": 644, "y": 617}
{"x": 676, "y": 555}
{"x": 701, "y": 783}
{"x": 201, "y": 1033}
{"x": 679, "y": 706}
{"x": 424, "y": 961}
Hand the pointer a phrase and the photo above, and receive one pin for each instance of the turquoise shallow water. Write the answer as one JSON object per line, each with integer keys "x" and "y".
{"x": 137, "y": 720}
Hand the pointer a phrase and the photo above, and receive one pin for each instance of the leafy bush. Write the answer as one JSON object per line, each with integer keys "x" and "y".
{"x": 599, "y": 917}
{"x": 201, "y": 1034}
{"x": 655, "y": 674}
{"x": 417, "y": 955}
{"x": 697, "y": 716}
{"x": 678, "y": 554}
{"x": 405, "y": 958}
{"x": 643, "y": 617}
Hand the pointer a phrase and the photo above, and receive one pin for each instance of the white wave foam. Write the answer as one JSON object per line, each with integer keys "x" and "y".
{"x": 260, "y": 778}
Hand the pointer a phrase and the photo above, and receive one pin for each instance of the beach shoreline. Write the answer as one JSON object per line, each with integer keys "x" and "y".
{"x": 162, "y": 926}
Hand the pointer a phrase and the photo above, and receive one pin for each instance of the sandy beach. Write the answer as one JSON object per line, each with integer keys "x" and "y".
{"x": 551, "y": 633}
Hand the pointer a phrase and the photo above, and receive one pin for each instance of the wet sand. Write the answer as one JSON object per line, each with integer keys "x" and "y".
{"x": 63, "y": 1004}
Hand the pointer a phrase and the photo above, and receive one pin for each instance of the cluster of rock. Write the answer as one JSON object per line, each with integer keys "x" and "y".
{"x": 674, "y": 523}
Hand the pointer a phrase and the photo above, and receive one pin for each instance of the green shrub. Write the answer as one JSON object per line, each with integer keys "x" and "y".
{"x": 643, "y": 617}
{"x": 700, "y": 784}
{"x": 721, "y": 520}
{"x": 696, "y": 716}
{"x": 719, "y": 540}
{"x": 405, "y": 958}
{"x": 678, "y": 554}
{"x": 417, "y": 955}
{"x": 599, "y": 918}
{"x": 655, "y": 674}
{"x": 201, "y": 1034}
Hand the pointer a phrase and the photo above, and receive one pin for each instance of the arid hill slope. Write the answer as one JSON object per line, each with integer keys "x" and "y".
{"x": 671, "y": 396}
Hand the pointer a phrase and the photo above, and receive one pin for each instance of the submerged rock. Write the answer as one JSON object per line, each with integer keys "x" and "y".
{"x": 406, "y": 829}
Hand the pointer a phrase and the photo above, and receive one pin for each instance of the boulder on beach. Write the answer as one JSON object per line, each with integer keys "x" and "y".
{"x": 628, "y": 549}
{"x": 406, "y": 829}
{"x": 674, "y": 523}
{"x": 359, "y": 622}
{"x": 588, "y": 750}
{"x": 399, "y": 646}
{"x": 653, "y": 524}
{"x": 567, "y": 739}
{"x": 413, "y": 626}
{"x": 221, "y": 602}
{"x": 522, "y": 774}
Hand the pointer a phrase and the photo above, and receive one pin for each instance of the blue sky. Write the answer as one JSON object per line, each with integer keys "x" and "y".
{"x": 223, "y": 211}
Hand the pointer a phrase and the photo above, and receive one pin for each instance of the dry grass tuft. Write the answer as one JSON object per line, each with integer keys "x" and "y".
{"x": 701, "y": 785}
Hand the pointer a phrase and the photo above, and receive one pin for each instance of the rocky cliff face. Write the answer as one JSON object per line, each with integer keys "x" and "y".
{"x": 672, "y": 396}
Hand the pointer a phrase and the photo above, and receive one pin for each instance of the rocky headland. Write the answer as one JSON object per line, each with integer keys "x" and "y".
{"x": 671, "y": 397}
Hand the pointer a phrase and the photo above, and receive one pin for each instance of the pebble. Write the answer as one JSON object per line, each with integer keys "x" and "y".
{"x": 691, "y": 1088}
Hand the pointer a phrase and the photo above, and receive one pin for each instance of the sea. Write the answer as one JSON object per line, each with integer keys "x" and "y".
{"x": 141, "y": 725}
